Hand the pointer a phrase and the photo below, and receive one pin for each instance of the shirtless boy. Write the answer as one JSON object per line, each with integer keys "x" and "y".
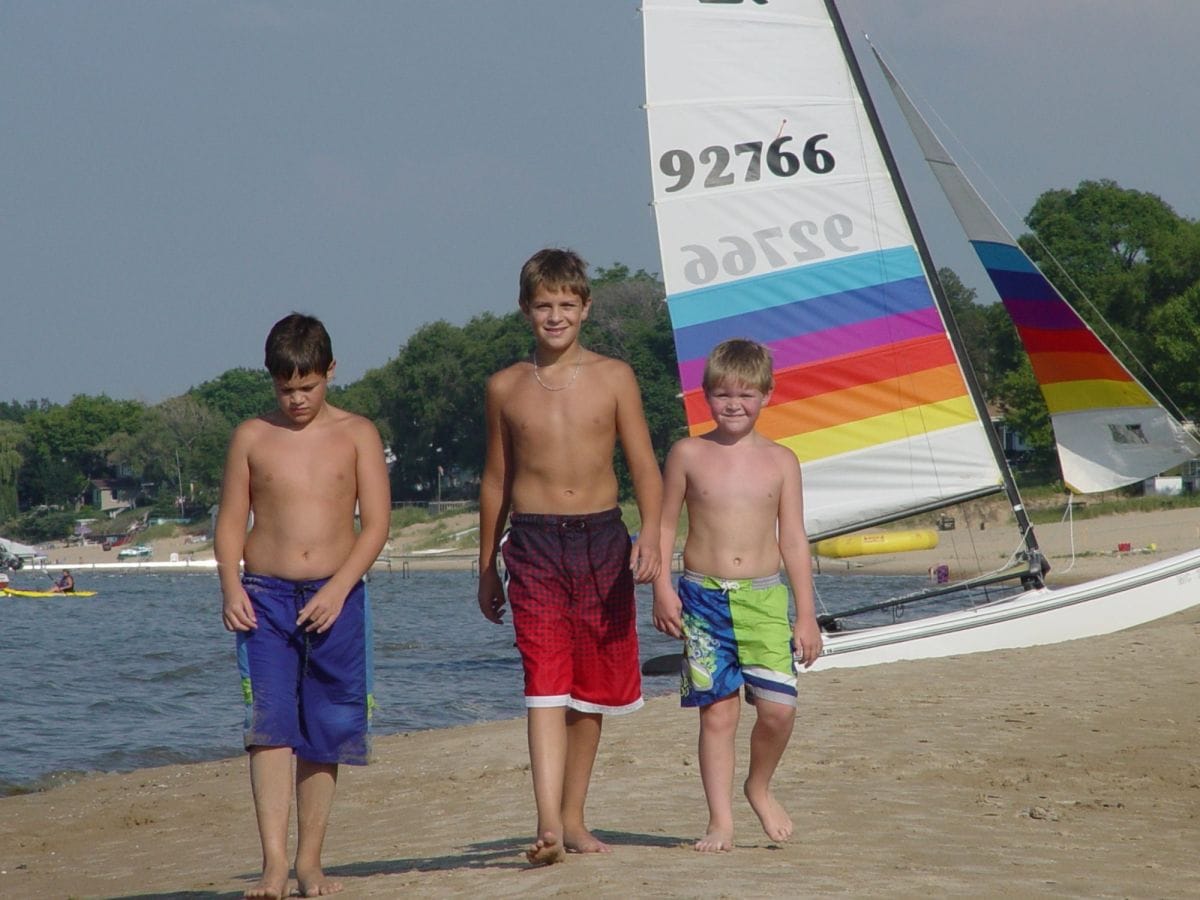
{"x": 300, "y": 610}
{"x": 745, "y": 516}
{"x": 552, "y": 424}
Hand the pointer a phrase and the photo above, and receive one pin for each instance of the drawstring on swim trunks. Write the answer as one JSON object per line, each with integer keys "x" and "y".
{"x": 302, "y": 593}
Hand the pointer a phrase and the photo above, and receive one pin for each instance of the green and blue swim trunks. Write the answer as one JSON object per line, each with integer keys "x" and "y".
{"x": 736, "y": 632}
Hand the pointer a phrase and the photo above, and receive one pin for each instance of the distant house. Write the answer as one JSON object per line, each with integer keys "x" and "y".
{"x": 1012, "y": 442}
{"x": 1163, "y": 486}
{"x": 112, "y": 497}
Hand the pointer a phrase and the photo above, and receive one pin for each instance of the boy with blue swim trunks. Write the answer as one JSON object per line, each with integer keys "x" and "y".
{"x": 745, "y": 516}
{"x": 300, "y": 611}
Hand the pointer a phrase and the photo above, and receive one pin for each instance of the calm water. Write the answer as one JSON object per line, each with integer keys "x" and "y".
{"x": 143, "y": 674}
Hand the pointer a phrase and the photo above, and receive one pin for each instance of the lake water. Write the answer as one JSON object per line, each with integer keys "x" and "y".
{"x": 143, "y": 674}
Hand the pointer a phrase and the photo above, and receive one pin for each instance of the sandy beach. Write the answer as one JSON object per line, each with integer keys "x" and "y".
{"x": 1062, "y": 771}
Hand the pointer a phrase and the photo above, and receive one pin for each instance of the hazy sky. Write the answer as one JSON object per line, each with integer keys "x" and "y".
{"x": 174, "y": 177}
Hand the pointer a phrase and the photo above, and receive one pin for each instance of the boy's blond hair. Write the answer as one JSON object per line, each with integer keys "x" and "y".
{"x": 739, "y": 361}
{"x": 554, "y": 270}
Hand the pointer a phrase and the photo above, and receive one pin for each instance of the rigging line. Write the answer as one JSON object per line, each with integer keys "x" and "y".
{"x": 1012, "y": 557}
{"x": 930, "y": 273}
{"x": 962, "y": 150}
{"x": 1069, "y": 517}
{"x": 965, "y": 512}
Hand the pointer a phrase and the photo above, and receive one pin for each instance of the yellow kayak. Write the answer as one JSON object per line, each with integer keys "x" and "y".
{"x": 15, "y": 592}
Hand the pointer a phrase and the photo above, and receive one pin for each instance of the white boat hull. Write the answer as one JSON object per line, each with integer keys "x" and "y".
{"x": 1043, "y": 616}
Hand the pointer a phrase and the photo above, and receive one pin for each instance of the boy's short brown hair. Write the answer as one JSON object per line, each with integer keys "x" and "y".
{"x": 298, "y": 345}
{"x": 739, "y": 361}
{"x": 554, "y": 270}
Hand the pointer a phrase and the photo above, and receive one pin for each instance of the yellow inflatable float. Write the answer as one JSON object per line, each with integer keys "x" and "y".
{"x": 878, "y": 542}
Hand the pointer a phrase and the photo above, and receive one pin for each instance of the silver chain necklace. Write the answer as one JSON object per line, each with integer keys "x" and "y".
{"x": 571, "y": 381}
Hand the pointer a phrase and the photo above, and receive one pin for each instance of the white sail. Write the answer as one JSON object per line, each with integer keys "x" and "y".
{"x": 1109, "y": 430}
{"x": 779, "y": 221}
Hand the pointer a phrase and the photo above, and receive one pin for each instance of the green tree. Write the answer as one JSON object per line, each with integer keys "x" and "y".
{"x": 179, "y": 447}
{"x": 237, "y": 394}
{"x": 196, "y": 440}
{"x": 629, "y": 321}
{"x": 972, "y": 321}
{"x": 1174, "y": 335}
{"x": 12, "y": 436}
{"x": 370, "y": 396}
{"x": 435, "y": 416}
{"x": 66, "y": 446}
{"x": 1102, "y": 235}
{"x": 1024, "y": 410}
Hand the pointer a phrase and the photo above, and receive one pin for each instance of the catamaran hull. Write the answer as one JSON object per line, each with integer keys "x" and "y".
{"x": 1043, "y": 616}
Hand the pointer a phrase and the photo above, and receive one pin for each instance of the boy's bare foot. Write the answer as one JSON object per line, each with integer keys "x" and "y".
{"x": 315, "y": 884}
{"x": 717, "y": 840}
{"x": 583, "y": 841}
{"x": 546, "y": 850}
{"x": 774, "y": 818}
{"x": 273, "y": 885}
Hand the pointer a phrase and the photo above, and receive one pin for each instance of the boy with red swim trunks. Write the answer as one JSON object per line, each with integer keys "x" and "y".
{"x": 300, "y": 611}
{"x": 553, "y": 422}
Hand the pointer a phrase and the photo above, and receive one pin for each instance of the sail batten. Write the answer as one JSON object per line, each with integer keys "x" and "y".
{"x": 1109, "y": 430}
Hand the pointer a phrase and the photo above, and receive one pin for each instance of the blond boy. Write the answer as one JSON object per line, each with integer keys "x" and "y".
{"x": 745, "y": 517}
{"x": 553, "y": 422}
{"x": 300, "y": 611}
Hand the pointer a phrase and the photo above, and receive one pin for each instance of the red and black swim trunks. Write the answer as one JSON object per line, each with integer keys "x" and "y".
{"x": 571, "y": 593}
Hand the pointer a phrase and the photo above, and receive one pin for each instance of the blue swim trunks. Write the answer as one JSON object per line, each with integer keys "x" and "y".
{"x": 307, "y": 691}
{"x": 736, "y": 632}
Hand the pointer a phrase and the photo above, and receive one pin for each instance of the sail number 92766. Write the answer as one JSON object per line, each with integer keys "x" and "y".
{"x": 770, "y": 246}
{"x": 680, "y": 165}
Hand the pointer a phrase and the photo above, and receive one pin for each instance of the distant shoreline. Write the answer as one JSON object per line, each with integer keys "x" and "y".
{"x": 1079, "y": 551}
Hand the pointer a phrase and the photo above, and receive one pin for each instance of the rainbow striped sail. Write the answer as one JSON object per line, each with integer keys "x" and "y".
{"x": 778, "y": 220}
{"x": 1109, "y": 430}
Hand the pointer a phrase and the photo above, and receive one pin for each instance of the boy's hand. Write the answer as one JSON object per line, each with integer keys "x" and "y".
{"x": 668, "y": 612}
{"x": 645, "y": 560}
{"x": 491, "y": 596}
{"x": 809, "y": 643}
{"x": 321, "y": 611}
{"x": 237, "y": 612}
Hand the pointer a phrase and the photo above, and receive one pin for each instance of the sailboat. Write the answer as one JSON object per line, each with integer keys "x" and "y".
{"x": 782, "y": 217}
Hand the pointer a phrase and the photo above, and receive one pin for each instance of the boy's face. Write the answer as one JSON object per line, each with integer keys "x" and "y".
{"x": 556, "y": 317}
{"x": 735, "y": 406}
{"x": 302, "y": 396}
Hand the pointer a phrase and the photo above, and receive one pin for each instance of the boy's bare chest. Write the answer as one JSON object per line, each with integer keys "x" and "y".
{"x": 746, "y": 481}
{"x": 294, "y": 470}
{"x": 549, "y": 417}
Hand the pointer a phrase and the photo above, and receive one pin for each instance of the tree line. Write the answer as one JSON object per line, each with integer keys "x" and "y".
{"x": 1125, "y": 259}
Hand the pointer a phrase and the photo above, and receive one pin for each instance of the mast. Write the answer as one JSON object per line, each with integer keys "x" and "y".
{"x": 1037, "y": 563}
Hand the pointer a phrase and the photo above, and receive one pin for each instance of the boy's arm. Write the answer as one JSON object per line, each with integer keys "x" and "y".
{"x": 229, "y": 536}
{"x": 667, "y": 611}
{"x": 647, "y": 480}
{"x": 495, "y": 489}
{"x": 797, "y": 559}
{"x": 374, "y": 516}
